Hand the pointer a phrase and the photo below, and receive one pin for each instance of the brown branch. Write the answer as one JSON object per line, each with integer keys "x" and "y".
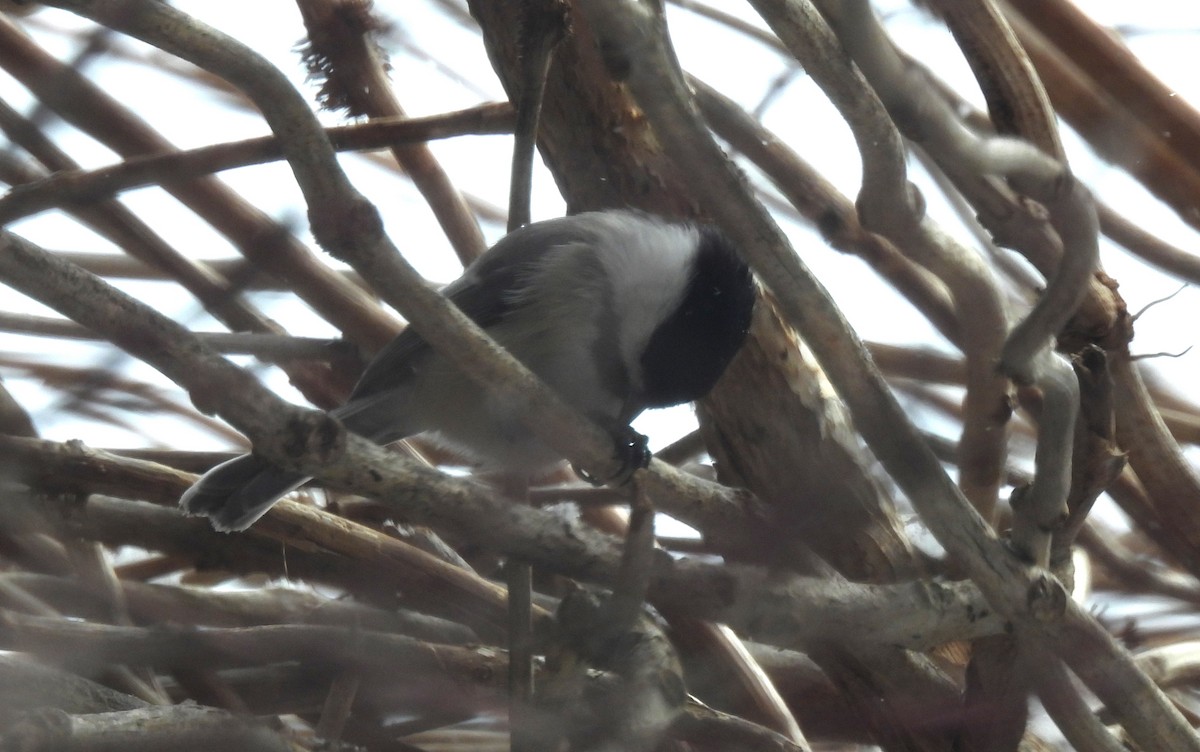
{"x": 833, "y": 214}
{"x": 1071, "y": 714}
{"x": 26, "y": 685}
{"x": 119, "y": 266}
{"x": 180, "y": 727}
{"x": 155, "y": 603}
{"x": 14, "y": 420}
{"x": 754, "y": 601}
{"x": 1017, "y": 102}
{"x": 1104, "y": 59}
{"x": 274, "y": 347}
{"x": 1133, "y": 575}
{"x": 776, "y": 608}
{"x": 995, "y": 577}
{"x": 421, "y": 575}
{"x": 1110, "y": 126}
{"x": 117, "y": 223}
{"x": 1158, "y": 462}
{"x": 342, "y": 52}
{"x": 89, "y": 391}
{"x": 75, "y": 187}
{"x": 1148, "y": 246}
{"x": 800, "y": 458}
{"x": 703, "y": 726}
{"x": 80, "y": 102}
{"x": 90, "y": 644}
{"x": 349, "y": 226}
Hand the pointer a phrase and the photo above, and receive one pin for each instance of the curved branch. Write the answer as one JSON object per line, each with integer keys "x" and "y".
{"x": 346, "y": 224}
{"x": 76, "y": 187}
{"x": 632, "y": 36}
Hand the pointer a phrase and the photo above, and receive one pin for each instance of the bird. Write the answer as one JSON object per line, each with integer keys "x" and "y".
{"x": 619, "y": 311}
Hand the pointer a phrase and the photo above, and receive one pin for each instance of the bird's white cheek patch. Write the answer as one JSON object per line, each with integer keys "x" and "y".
{"x": 649, "y": 275}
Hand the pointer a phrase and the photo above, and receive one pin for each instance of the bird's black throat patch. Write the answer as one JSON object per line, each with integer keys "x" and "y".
{"x": 689, "y": 351}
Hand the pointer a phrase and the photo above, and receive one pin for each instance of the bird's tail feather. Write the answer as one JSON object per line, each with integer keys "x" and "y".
{"x": 236, "y": 493}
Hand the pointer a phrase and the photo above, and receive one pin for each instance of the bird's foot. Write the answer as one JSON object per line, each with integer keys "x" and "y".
{"x": 631, "y": 449}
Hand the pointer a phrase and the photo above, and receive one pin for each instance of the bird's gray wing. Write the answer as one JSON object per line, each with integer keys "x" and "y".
{"x": 485, "y": 294}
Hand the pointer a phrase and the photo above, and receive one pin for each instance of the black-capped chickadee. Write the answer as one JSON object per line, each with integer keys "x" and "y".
{"x": 618, "y": 311}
